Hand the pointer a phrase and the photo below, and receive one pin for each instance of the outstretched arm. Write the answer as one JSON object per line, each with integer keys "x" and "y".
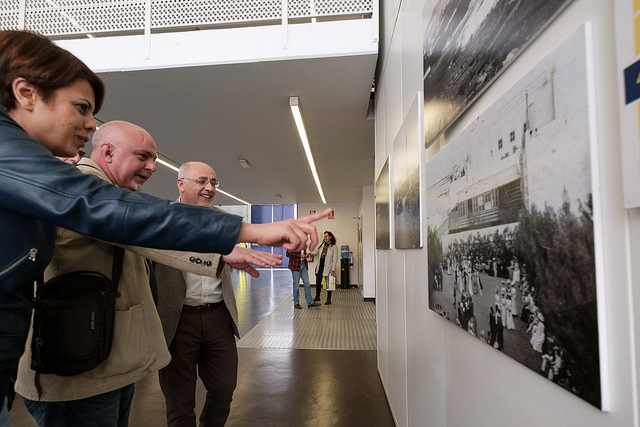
{"x": 290, "y": 234}
{"x": 242, "y": 259}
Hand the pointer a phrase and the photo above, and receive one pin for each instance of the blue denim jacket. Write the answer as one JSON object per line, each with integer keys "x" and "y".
{"x": 39, "y": 192}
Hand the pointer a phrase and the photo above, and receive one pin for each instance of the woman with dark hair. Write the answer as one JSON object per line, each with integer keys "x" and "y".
{"x": 48, "y": 98}
{"x": 327, "y": 254}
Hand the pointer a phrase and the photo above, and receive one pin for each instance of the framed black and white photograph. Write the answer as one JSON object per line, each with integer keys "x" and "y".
{"x": 511, "y": 236}
{"x": 407, "y": 149}
{"x": 383, "y": 227}
{"x": 467, "y": 44}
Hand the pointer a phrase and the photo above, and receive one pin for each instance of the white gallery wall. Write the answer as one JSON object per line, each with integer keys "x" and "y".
{"x": 433, "y": 373}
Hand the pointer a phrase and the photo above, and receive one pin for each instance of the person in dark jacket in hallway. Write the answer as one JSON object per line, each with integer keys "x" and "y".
{"x": 47, "y": 101}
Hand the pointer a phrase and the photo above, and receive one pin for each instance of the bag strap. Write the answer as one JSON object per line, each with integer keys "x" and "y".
{"x": 118, "y": 255}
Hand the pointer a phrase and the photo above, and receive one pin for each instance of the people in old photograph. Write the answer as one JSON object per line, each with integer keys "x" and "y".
{"x": 545, "y": 316}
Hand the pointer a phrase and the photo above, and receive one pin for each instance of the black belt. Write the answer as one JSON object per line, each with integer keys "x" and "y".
{"x": 203, "y": 307}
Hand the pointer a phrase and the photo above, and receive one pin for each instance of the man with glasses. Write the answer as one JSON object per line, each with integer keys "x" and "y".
{"x": 199, "y": 317}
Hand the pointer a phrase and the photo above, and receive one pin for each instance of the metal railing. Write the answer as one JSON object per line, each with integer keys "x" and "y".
{"x": 82, "y": 18}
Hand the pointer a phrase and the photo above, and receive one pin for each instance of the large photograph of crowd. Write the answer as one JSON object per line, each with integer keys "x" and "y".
{"x": 510, "y": 228}
{"x": 467, "y": 44}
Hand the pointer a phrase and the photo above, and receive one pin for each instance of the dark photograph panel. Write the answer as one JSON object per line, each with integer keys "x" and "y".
{"x": 467, "y": 44}
{"x": 383, "y": 234}
{"x": 407, "y": 147}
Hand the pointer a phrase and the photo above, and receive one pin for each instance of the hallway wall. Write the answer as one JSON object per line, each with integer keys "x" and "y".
{"x": 432, "y": 372}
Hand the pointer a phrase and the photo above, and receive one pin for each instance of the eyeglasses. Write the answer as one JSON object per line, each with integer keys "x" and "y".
{"x": 203, "y": 181}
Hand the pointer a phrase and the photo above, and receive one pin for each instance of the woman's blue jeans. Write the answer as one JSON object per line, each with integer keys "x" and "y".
{"x": 109, "y": 409}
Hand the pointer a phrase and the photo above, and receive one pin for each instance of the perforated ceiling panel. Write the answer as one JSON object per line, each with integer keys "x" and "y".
{"x": 174, "y": 13}
{"x": 325, "y": 8}
{"x": 62, "y": 17}
{"x": 79, "y": 17}
{"x": 9, "y": 14}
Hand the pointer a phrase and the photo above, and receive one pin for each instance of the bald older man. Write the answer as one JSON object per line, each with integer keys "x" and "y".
{"x": 123, "y": 154}
{"x": 200, "y": 318}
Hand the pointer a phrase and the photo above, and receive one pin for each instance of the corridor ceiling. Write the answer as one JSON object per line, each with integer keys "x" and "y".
{"x": 220, "y": 114}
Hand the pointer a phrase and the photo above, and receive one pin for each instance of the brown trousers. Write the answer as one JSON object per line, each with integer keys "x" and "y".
{"x": 203, "y": 338}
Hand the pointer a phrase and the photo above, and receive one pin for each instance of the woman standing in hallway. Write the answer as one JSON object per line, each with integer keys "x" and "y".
{"x": 327, "y": 254}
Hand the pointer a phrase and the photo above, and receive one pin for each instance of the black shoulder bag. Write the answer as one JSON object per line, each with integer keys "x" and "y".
{"x": 73, "y": 320}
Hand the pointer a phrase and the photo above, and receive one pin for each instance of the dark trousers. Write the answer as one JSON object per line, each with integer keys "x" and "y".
{"x": 319, "y": 285}
{"x": 7, "y": 378}
{"x": 203, "y": 338}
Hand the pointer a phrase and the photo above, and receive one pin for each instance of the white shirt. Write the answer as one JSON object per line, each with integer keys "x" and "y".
{"x": 201, "y": 289}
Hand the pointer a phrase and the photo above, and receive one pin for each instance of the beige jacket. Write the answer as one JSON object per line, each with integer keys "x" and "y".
{"x": 138, "y": 347}
{"x": 330, "y": 262}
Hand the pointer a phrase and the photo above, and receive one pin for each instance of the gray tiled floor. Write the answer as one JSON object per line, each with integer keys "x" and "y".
{"x": 348, "y": 323}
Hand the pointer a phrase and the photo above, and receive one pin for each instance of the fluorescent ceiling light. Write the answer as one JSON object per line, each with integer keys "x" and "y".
{"x": 233, "y": 196}
{"x": 294, "y": 103}
{"x": 168, "y": 163}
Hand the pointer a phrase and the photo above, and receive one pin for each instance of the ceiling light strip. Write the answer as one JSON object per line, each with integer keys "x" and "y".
{"x": 294, "y": 103}
{"x": 168, "y": 164}
{"x": 233, "y": 196}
